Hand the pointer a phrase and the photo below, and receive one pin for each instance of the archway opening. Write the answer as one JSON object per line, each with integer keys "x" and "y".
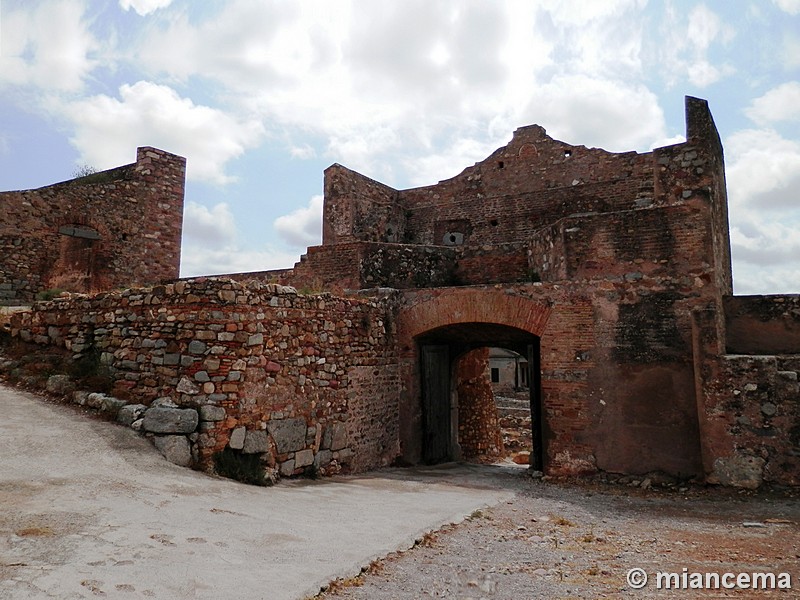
{"x": 461, "y": 419}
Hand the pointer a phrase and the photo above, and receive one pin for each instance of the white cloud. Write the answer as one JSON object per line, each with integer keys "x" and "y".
{"x": 199, "y": 260}
{"x": 386, "y": 82}
{"x": 778, "y": 104}
{"x": 302, "y": 227}
{"x": 763, "y": 170}
{"x": 144, "y": 7}
{"x": 790, "y": 6}
{"x": 763, "y": 177}
{"x": 211, "y": 245}
{"x": 583, "y": 110}
{"x": 47, "y": 45}
{"x": 149, "y": 114}
{"x": 686, "y": 44}
{"x": 303, "y": 152}
{"x": 791, "y": 51}
{"x": 214, "y": 228}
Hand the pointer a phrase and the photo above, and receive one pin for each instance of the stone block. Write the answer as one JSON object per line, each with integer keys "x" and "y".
{"x": 255, "y": 442}
{"x": 211, "y": 413}
{"x": 289, "y": 434}
{"x": 60, "y": 385}
{"x": 197, "y": 347}
{"x": 186, "y": 386}
{"x": 95, "y": 399}
{"x": 163, "y": 419}
{"x": 287, "y": 468}
{"x": 338, "y": 436}
{"x": 344, "y": 456}
{"x": 738, "y": 471}
{"x": 112, "y": 405}
{"x": 80, "y": 397}
{"x": 175, "y": 448}
{"x": 303, "y": 458}
{"x": 130, "y": 413}
{"x": 237, "y": 438}
{"x": 323, "y": 458}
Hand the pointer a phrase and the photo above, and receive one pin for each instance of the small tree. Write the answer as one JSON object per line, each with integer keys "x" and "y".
{"x": 83, "y": 171}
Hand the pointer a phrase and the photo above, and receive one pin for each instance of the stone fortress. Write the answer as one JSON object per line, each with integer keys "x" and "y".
{"x": 609, "y": 273}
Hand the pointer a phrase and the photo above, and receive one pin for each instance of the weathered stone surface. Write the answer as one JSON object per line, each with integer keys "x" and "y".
{"x": 175, "y": 448}
{"x": 45, "y": 249}
{"x": 255, "y": 442}
{"x": 287, "y": 467}
{"x": 289, "y": 434}
{"x": 211, "y": 413}
{"x": 238, "y": 436}
{"x": 163, "y": 402}
{"x": 111, "y": 405}
{"x": 130, "y": 413}
{"x": 95, "y": 400}
{"x": 303, "y": 458}
{"x": 197, "y": 347}
{"x": 60, "y": 385}
{"x": 338, "y": 436}
{"x": 186, "y": 386}
{"x": 323, "y": 458}
{"x": 738, "y": 471}
{"x": 80, "y": 397}
{"x": 170, "y": 420}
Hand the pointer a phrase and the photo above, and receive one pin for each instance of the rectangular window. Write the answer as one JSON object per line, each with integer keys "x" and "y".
{"x": 495, "y": 375}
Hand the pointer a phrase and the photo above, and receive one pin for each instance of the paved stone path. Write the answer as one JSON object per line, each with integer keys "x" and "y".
{"x": 91, "y": 510}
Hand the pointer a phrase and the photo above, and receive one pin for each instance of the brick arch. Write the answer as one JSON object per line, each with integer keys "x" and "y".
{"x": 465, "y": 305}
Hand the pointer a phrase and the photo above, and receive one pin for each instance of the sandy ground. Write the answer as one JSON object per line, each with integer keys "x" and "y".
{"x": 91, "y": 510}
{"x": 579, "y": 540}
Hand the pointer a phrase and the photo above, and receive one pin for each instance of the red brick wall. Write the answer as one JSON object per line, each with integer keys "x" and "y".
{"x": 135, "y": 210}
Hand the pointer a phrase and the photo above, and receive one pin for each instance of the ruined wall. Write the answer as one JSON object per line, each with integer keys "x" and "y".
{"x": 315, "y": 372}
{"x": 748, "y": 411}
{"x": 115, "y": 228}
{"x": 762, "y": 324}
{"x": 537, "y": 209}
{"x": 358, "y": 208}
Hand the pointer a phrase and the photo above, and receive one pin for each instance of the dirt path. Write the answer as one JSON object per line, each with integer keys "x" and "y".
{"x": 579, "y": 541}
{"x": 89, "y": 509}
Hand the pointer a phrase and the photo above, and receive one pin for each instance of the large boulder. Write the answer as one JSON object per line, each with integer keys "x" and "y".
{"x": 289, "y": 434}
{"x": 164, "y": 419}
{"x": 175, "y": 449}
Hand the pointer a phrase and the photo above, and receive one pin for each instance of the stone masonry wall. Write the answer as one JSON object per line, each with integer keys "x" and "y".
{"x": 116, "y": 228}
{"x": 478, "y": 428}
{"x": 749, "y": 411}
{"x": 307, "y": 380}
{"x": 762, "y": 324}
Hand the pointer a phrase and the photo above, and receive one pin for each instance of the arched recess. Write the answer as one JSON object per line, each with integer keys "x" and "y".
{"x": 433, "y": 332}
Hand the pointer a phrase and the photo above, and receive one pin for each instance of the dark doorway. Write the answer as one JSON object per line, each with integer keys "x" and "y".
{"x": 440, "y": 350}
{"x": 436, "y": 403}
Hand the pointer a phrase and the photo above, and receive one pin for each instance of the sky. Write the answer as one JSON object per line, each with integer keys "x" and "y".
{"x": 261, "y": 96}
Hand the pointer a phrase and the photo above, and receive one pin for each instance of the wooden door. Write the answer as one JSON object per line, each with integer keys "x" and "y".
{"x": 436, "y": 403}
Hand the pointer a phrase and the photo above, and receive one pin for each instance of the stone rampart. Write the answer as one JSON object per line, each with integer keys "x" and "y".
{"x": 308, "y": 380}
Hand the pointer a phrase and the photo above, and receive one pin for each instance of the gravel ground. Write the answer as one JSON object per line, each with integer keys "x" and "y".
{"x": 579, "y": 540}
